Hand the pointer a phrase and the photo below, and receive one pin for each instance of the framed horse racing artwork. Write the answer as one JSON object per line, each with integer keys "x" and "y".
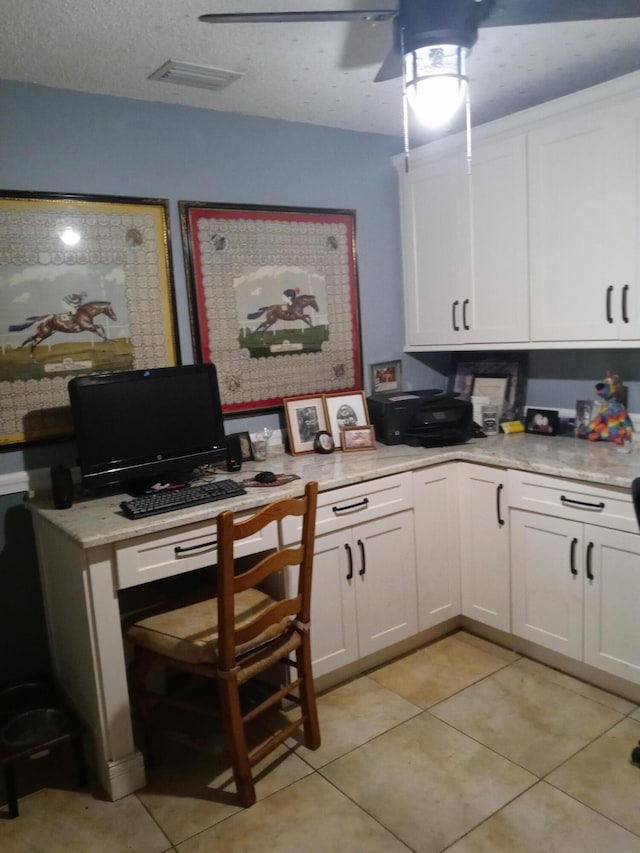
{"x": 273, "y": 300}
{"x": 85, "y": 287}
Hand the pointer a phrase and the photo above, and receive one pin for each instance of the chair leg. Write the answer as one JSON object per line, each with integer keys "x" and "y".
{"x": 307, "y": 695}
{"x": 236, "y": 736}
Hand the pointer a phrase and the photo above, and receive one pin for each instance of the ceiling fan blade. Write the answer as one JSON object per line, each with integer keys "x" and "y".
{"x": 514, "y": 13}
{"x": 390, "y": 68}
{"x": 370, "y": 15}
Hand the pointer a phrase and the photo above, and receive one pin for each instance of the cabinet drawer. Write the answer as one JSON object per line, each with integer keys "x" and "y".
{"x": 608, "y": 507}
{"x": 149, "y": 558}
{"x": 349, "y": 505}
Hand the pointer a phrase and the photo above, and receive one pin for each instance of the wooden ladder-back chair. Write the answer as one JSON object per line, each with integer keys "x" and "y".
{"x": 238, "y": 635}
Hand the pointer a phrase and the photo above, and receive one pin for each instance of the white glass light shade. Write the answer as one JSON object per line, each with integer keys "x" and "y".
{"x": 436, "y": 82}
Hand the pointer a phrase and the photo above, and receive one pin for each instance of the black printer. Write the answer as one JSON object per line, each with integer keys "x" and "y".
{"x": 427, "y": 418}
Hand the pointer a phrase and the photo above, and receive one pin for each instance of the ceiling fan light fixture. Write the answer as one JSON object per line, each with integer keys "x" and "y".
{"x": 436, "y": 81}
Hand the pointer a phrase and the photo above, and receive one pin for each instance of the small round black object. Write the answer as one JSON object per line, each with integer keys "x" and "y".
{"x": 323, "y": 442}
{"x": 265, "y": 477}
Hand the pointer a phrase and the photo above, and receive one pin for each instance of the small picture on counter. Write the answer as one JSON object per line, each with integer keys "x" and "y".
{"x": 244, "y": 442}
{"x": 585, "y": 411}
{"x": 542, "y": 421}
{"x": 358, "y": 438}
{"x": 345, "y": 410}
{"x": 305, "y": 418}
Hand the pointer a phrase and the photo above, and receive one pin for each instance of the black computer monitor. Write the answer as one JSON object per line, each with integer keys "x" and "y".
{"x": 137, "y": 427}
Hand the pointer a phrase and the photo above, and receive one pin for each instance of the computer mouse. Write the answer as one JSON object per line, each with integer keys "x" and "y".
{"x": 265, "y": 477}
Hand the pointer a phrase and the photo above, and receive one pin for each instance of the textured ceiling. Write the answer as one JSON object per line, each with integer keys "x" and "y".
{"x": 321, "y": 73}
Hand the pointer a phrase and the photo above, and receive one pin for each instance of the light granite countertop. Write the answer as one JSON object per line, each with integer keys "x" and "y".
{"x": 98, "y": 520}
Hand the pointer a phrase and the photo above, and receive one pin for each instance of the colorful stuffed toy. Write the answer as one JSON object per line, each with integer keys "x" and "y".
{"x": 612, "y": 422}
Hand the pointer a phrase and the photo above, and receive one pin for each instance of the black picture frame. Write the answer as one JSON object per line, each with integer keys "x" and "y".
{"x": 542, "y": 421}
{"x": 244, "y": 441}
{"x": 515, "y": 366}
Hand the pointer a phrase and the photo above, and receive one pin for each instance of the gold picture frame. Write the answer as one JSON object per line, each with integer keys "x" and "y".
{"x": 85, "y": 287}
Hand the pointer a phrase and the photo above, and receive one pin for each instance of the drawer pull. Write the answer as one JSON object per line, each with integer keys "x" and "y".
{"x": 574, "y": 571}
{"x": 363, "y": 503}
{"x": 599, "y": 506}
{"x": 363, "y": 558}
{"x": 589, "y": 552}
{"x": 347, "y": 548}
{"x": 500, "y": 518}
{"x": 180, "y": 550}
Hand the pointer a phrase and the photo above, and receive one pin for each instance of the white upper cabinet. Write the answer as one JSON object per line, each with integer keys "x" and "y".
{"x": 583, "y": 191}
{"x": 540, "y": 245}
{"x": 465, "y": 246}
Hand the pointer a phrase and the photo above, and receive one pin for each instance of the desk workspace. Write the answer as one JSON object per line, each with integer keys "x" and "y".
{"x": 91, "y": 554}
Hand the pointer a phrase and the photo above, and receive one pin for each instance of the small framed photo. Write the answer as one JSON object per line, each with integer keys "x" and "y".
{"x": 358, "y": 438}
{"x": 305, "y": 419}
{"x": 386, "y": 376}
{"x": 542, "y": 421}
{"x": 246, "y": 453}
{"x": 345, "y": 410}
{"x": 585, "y": 412}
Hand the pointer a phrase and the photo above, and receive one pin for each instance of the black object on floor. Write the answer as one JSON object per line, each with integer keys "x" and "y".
{"x": 34, "y": 720}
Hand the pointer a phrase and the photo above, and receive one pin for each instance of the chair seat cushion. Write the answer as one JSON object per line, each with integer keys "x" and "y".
{"x": 190, "y": 634}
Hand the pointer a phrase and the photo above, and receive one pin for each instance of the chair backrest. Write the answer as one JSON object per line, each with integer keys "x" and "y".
{"x": 229, "y": 583}
{"x": 635, "y": 496}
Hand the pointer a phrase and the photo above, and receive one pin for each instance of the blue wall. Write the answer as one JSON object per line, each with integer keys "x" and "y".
{"x": 60, "y": 141}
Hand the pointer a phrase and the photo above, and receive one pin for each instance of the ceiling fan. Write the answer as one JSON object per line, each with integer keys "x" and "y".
{"x": 423, "y": 23}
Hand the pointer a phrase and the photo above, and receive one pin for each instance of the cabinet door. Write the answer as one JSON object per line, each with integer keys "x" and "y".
{"x": 434, "y": 200}
{"x": 437, "y": 550}
{"x": 611, "y": 601}
{"x": 547, "y": 556}
{"x": 499, "y": 308}
{"x": 385, "y": 581}
{"x": 334, "y": 632}
{"x": 484, "y": 544}
{"x": 582, "y": 206}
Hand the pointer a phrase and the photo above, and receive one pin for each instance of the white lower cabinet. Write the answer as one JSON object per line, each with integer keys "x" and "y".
{"x": 364, "y": 576}
{"x": 363, "y": 597}
{"x": 576, "y": 588}
{"x": 484, "y": 545}
{"x": 435, "y": 495}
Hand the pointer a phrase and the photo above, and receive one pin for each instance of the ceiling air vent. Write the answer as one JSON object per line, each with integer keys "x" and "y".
{"x": 200, "y": 76}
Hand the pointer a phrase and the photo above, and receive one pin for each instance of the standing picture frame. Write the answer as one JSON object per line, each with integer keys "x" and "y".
{"x": 542, "y": 421}
{"x": 386, "y": 376}
{"x": 305, "y": 419}
{"x": 86, "y": 286}
{"x": 357, "y": 438}
{"x": 514, "y": 366}
{"x": 343, "y": 410}
{"x": 273, "y": 296}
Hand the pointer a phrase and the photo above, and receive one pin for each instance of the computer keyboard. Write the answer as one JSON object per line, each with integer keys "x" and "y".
{"x": 170, "y": 499}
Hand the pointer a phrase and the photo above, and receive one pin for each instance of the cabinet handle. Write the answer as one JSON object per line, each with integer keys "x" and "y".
{"x": 625, "y": 315}
{"x": 180, "y": 550}
{"x": 498, "y": 491}
{"x": 362, "y": 558}
{"x": 456, "y": 327}
{"x": 361, "y": 503}
{"x": 599, "y": 506}
{"x": 464, "y": 315}
{"x": 350, "y": 555}
{"x": 609, "y": 292}
{"x": 574, "y": 571}
{"x": 589, "y": 552}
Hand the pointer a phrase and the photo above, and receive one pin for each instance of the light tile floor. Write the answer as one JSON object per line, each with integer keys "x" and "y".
{"x": 460, "y": 746}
